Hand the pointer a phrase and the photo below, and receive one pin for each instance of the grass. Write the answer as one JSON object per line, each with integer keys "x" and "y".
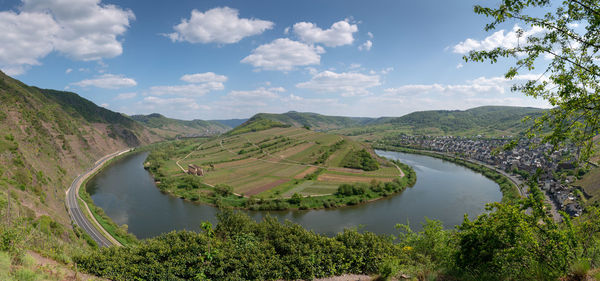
{"x": 268, "y": 165}
{"x": 590, "y": 183}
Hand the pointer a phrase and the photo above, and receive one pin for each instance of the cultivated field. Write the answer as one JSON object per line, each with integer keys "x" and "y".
{"x": 278, "y": 162}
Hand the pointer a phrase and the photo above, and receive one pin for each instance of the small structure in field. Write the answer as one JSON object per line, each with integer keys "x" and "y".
{"x": 193, "y": 169}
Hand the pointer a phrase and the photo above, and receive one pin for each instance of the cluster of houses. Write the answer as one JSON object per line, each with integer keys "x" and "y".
{"x": 522, "y": 158}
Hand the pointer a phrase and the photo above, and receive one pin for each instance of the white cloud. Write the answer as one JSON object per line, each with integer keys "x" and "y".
{"x": 258, "y": 93}
{"x": 459, "y": 65}
{"x": 340, "y": 33}
{"x": 186, "y": 90}
{"x": 498, "y": 39}
{"x": 387, "y": 70}
{"x": 126, "y": 96}
{"x": 108, "y": 81}
{"x": 295, "y": 98}
{"x": 218, "y": 25}
{"x": 105, "y": 105}
{"x": 472, "y": 93}
{"x": 346, "y": 83}
{"x": 413, "y": 89}
{"x": 366, "y": 46}
{"x": 472, "y": 88}
{"x": 183, "y": 105}
{"x": 26, "y": 38}
{"x": 80, "y": 29}
{"x": 204, "y": 77}
{"x": 69, "y": 70}
{"x": 88, "y": 29}
{"x": 284, "y": 54}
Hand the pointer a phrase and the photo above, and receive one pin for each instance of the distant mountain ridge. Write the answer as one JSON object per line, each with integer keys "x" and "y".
{"x": 232, "y": 123}
{"x": 314, "y": 120}
{"x": 169, "y": 127}
{"x": 484, "y": 117}
{"x": 492, "y": 120}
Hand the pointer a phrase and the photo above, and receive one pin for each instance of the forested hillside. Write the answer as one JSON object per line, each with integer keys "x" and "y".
{"x": 491, "y": 121}
{"x": 47, "y": 138}
{"x": 169, "y": 127}
{"x": 315, "y": 121}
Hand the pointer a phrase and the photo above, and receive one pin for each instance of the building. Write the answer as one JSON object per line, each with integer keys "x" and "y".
{"x": 195, "y": 170}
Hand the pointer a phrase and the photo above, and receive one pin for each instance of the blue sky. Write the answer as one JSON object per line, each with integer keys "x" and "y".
{"x": 232, "y": 59}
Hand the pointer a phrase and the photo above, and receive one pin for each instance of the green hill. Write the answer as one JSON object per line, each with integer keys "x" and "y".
{"x": 257, "y": 123}
{"x": 47, "y": 138}
{"x": 496, "y": 117}
{"x": 485, "y": 120}
{"x": 169, "y": 127}
{"x": 315, "y": 121}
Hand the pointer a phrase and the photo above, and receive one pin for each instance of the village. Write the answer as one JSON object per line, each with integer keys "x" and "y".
{"x": 556, "y": 170}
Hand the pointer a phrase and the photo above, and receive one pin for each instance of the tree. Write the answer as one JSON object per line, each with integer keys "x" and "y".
{"x": 570, "y": 36}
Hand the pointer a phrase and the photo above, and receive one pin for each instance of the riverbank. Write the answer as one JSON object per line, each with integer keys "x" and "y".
{"x": 509, "y": 188}
{"x": 190, "y": 188}
{"x": 119, "y": 233}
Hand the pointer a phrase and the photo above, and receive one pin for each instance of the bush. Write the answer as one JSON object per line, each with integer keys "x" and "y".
{"x": 360, "y": 159}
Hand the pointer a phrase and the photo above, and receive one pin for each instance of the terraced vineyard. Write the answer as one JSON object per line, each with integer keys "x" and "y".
{"x": 272, "y": 161}
{"x": 277, "y": 163}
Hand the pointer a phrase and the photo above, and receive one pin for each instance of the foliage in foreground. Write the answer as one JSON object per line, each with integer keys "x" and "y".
{"x": 504, "y": 244}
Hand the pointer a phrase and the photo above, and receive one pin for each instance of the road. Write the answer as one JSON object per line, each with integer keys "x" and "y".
{"x": 93, "y": 228}
{"x": 520, "y": 185}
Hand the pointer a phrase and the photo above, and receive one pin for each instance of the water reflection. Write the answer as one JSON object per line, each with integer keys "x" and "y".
{"x": 443, "y": 191}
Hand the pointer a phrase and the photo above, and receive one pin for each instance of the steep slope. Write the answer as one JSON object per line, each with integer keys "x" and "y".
{"x": 170, "y": 128}
{"x": 47, "y": 137}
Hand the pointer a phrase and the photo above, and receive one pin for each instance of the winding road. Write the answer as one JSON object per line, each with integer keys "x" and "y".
{"x": 91, "y": 227}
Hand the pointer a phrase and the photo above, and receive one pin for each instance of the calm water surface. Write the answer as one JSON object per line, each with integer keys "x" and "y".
{"x": 443, "y": 191}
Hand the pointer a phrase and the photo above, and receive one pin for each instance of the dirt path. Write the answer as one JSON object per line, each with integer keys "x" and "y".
{"x": 60, "y": 271}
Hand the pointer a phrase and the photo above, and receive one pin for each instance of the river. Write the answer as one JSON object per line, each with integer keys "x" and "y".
{"x": 444, "y": 191}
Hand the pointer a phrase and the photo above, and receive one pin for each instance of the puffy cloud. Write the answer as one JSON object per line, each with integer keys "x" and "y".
{"x": 80, "y": 29}
{"x": 26, "y": 38}
{"x": 218, "y": 25}
{"x": 475, "y": 87}
{"x": 284, "y": 54}
{"x": 459, "y": 65}
{"x": 88, "y": 29}
{"x": 340, "y": 33}
{"x": 258, "y": 93}
{"x": 366, "y": 46}
{"x": 181, "y": 107}
{"x": 347, "y": 83}
{"x": 204, "y": 77}
{"x": 108, "y": 81}
{"x": 186, "y": 90}
{"x": 498, "y": 39}
{"x": 126, "y": 96}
